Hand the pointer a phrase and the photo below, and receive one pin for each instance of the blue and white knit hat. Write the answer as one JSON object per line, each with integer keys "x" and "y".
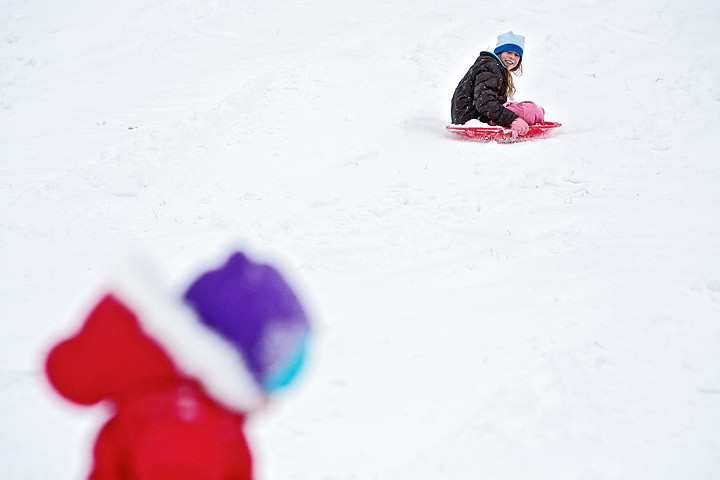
{"x": 510, "y": 42}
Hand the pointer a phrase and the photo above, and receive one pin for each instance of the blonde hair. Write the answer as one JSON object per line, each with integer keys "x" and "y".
{"x": 518, "y": 70}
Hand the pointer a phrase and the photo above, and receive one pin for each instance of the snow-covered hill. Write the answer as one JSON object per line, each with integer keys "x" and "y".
{"x": 539, "y": 311}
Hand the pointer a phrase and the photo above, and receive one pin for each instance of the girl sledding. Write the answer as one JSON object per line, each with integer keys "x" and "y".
{"x": 480, "y": 108}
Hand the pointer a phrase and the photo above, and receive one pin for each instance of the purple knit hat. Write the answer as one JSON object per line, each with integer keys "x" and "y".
{"x": 253, "y": 308}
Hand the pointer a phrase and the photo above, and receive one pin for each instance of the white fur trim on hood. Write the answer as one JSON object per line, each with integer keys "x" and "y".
{"x": 195, "y": 349}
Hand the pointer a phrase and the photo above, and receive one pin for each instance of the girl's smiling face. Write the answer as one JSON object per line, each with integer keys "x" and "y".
{"x": 511, "y": 59}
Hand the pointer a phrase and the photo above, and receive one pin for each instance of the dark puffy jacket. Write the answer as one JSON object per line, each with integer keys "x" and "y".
{"x": 482, "y": 92}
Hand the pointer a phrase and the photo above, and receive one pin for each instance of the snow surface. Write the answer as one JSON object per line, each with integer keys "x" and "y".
{"x": 543, "y": 310}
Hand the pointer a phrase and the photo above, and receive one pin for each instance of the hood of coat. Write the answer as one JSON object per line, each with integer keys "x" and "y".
{"x": 492, "y": 55}
{"x": 109, "y": 358}
{"x": 243, "y": 335}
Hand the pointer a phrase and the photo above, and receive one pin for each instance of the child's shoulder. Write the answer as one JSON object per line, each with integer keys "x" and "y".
{"x": 489, "y": 61}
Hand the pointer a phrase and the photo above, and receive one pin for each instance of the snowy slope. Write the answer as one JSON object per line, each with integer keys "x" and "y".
{"x": 544, "y": 310}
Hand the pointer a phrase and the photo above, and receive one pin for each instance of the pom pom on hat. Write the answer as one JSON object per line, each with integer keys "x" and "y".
{"x": 253, "y": 308}
{"x": 510, "y": 42}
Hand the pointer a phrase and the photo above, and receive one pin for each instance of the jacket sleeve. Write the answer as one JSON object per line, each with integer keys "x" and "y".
{"x": 107, "y": 464}
{"x": 489, "y": 101}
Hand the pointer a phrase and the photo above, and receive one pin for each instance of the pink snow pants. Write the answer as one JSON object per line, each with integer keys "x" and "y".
{"x": 528, "y": 111}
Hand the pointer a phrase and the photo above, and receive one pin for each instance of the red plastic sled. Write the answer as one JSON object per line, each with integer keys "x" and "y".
{"x": 487, "y": 133}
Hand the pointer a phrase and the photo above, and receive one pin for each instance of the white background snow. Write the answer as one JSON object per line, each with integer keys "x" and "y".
{"x": 547, "y": 310}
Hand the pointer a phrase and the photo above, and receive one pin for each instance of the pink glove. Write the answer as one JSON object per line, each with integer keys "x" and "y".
{"x": 519, "y": 126}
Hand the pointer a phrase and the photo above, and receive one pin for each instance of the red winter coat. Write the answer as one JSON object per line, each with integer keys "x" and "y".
{"x": 165, "y": 427}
